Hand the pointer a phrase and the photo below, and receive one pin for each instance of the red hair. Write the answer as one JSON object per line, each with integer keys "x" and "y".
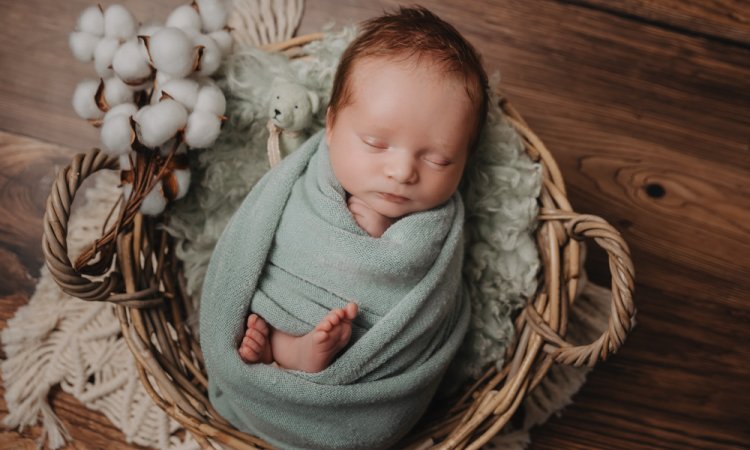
{"x": 414, "y": 32}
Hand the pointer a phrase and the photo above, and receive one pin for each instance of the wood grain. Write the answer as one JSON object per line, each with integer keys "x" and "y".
{"x": 725, "y": 20}
{"x": 646, "y": 107}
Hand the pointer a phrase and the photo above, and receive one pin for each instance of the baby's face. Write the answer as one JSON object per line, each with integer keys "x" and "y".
{"x": 401, "y": 144}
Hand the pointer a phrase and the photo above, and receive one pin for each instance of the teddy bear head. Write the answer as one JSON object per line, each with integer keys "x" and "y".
{"x": 291, "y": 106}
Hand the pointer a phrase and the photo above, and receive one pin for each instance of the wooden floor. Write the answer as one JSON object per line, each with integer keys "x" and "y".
{"x": 646, "y": 106}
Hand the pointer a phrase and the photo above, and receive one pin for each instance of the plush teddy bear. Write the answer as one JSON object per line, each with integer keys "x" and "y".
{"x": 291, "y": 109}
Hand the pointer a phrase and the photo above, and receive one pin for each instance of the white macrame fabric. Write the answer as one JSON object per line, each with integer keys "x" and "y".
{"x": 60, "y": 340}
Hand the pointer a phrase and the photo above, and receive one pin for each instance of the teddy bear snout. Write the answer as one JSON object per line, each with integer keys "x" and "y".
{"x": 276, "y": 113}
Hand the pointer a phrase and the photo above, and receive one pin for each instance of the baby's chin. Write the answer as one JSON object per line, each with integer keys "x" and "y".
{"x": 392, "y": 211}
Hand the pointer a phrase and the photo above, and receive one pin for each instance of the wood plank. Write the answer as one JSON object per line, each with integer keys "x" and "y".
{"x": 27, "y": 169}
{"x": 727, "y": 20}
{"x": 624, "y": 103}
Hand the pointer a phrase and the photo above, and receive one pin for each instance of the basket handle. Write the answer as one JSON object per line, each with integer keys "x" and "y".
{"x": 622, "y": 315}
{"x": 56, "y": 216}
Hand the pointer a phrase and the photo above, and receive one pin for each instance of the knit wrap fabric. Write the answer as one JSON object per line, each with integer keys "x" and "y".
{"x": 291, "y": 253}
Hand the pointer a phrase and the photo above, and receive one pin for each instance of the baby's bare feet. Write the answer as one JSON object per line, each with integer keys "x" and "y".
{"x": 329, "y": 337}
{"x": 256, "y": 345}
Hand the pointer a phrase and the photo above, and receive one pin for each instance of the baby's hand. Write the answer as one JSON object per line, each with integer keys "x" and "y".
{"x": 370, "y": 220}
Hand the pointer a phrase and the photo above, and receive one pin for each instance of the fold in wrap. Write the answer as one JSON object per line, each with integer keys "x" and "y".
{"x": 291, "y": 253}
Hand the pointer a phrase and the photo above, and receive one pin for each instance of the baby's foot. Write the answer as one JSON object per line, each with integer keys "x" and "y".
{"x": 329, "y": 337}
{"x": 255, "y": 345}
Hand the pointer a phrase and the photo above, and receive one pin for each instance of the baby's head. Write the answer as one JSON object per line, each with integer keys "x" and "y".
{"x": 408, "y": 104}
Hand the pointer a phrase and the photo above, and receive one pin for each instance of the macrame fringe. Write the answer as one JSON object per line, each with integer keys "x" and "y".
{"x": 261, "y": 22}
{"x": 59, "y": 340}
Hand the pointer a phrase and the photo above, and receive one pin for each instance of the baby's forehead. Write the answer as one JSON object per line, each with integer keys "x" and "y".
{"x": 363, "y": 69}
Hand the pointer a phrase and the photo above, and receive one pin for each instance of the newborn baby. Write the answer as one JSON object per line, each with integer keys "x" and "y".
{"x": 400, "y": 126}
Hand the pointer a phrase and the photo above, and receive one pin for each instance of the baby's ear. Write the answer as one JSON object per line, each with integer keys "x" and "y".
{"x": 314, "y": 101}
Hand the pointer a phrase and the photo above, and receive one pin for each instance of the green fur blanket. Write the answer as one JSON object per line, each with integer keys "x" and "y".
{"x": 291, "y": 253}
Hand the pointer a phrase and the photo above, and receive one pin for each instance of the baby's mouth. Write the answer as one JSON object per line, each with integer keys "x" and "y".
{"x": 393, "y": 198}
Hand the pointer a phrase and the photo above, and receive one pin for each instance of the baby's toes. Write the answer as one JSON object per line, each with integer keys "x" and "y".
{"x": 334, "y": 317}
{"x": 256, "y": 337}
{"x": 321, "y": 336}
{"x": 346, "y": 333}
{"x": 247, "y": 350}
{"x": 262, "y": 326}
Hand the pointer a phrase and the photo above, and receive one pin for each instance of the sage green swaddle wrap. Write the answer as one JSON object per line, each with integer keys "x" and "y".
{"x": 291, "y": 253}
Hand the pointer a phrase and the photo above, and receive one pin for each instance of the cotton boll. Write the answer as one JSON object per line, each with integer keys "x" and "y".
{"x": 129, "y": 63}
{"x": 117, "y": 134}
{"x": 211, "y": 99}
{"x": 124, "y": 109}
{"x": 83, "y": 44}
{"x": 84, "y": 101}
{"x": 182, "y": 176}
{"x": 184, "y": 90}
{"x": 172, "y": 52}
{"x": 148, "y": 29}
{"x": 202, "y": 129}
{"x": 154, "y": 202}
{"x": 184, "y": 16}
{"x": 210, "y": 56}
{"x": 103, "y": 56}
{"x": 116, "y": 92}
{"x": 160, "y": 80}
{"x": 125, "y": 161}
{"x": 91, "y": 21}
{"x": 214, "y": 14}
{"x": 224, "y": 40}
{"x": 119, "y": 23}
{"x": 163, "y": 78}
{"x": 157, "y": 123}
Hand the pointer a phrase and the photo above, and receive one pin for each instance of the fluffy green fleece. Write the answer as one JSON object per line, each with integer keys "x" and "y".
{"x": 499, "y": 189}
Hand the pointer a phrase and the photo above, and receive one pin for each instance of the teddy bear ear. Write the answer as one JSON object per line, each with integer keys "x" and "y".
{"x": 314, "y": 101}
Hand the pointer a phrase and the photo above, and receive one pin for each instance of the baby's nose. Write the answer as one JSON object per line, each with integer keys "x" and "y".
{"x": 402, "y": 171}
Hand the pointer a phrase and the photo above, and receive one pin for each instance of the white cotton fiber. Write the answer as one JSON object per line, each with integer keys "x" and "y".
{"x": 223, "y": 39}
{"x": 91, "y": 21}
{"x": 84, "y": 102}
{"x": 124, "y": 160}
{"x": 202, "y": 129}
{"x": 210, "y": 55}
{"x": 184, "y": 90}
{"x": 183, "y": 182}
{"x": 116, "y": 92}
{"x": 130, "y": 63}
{"x": 154, "y": 202}
{"x": 159, "y": 122}
{"x": 172, "y": 52}
{"x": 119, "y": 23}
{"x": 184, "y": 16}
{"x": 104, "y": 53}
{"x": 211, "y": 99}
{"x": 214, "y": 14}
{"x": 117, "y": 134}
{"x": 83, "y": 44}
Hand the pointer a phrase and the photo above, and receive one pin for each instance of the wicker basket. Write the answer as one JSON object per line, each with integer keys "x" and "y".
{"x": 151, "y": 303}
